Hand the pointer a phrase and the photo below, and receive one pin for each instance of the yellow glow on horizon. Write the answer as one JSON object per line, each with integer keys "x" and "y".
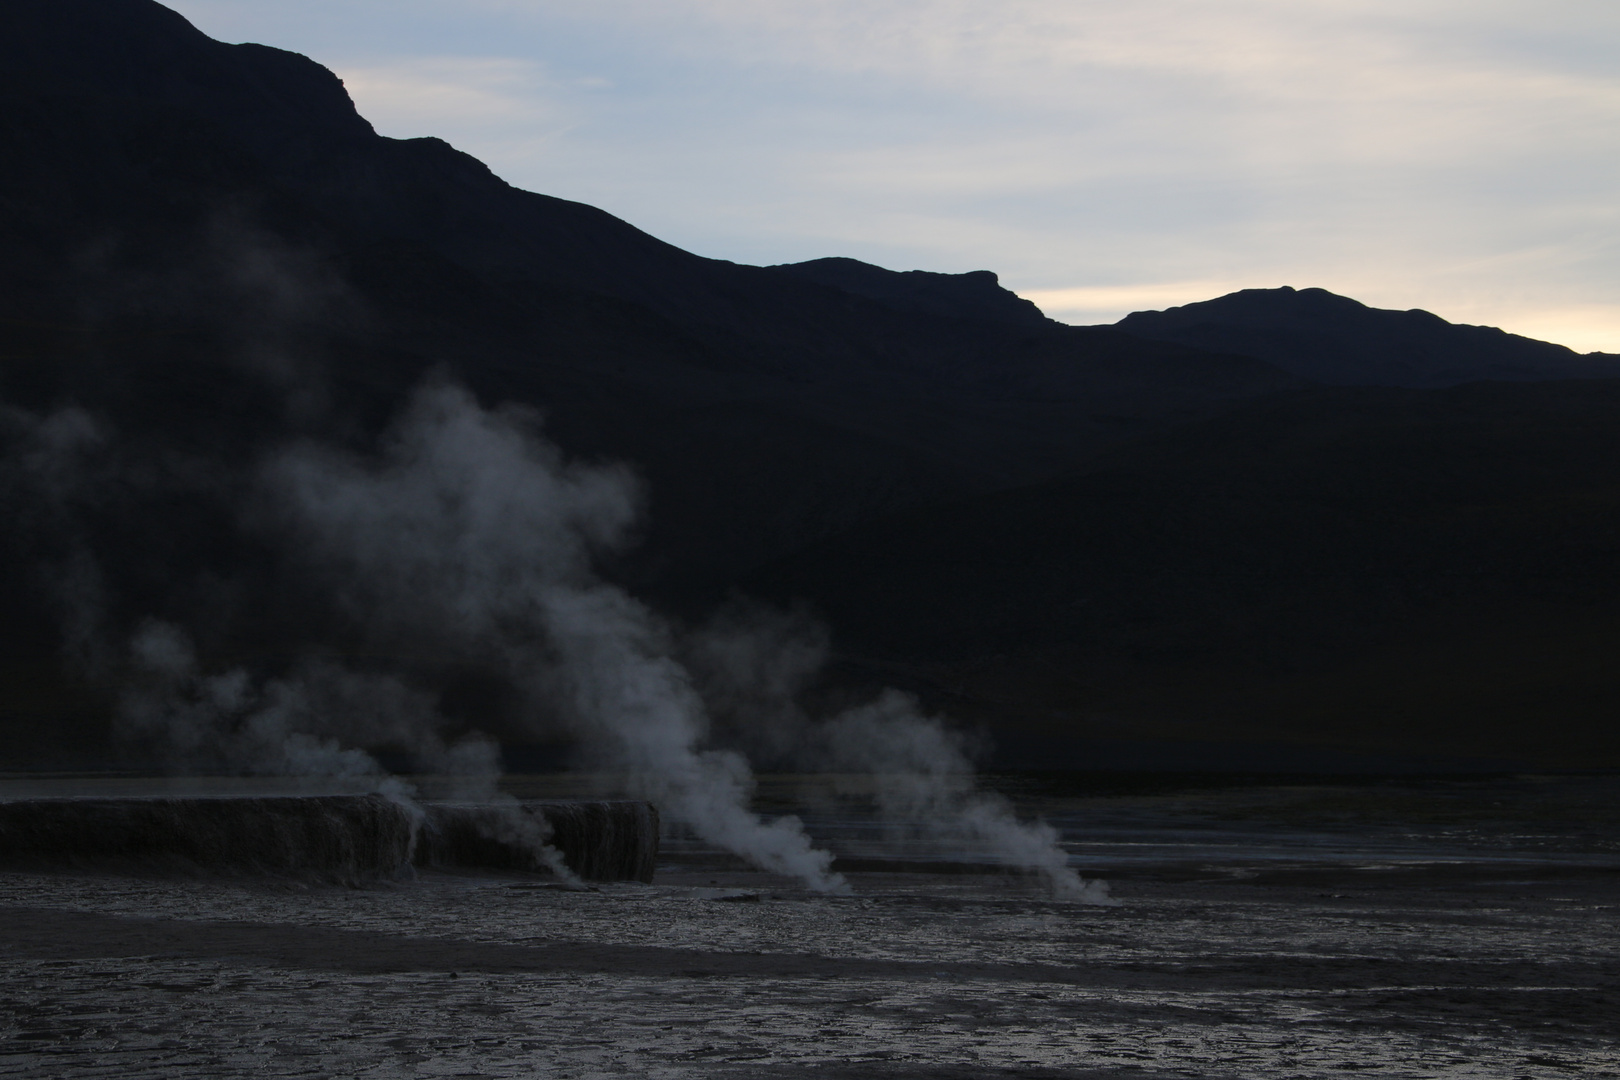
{"x": 1100, "y": 303}
{"x": 1582, "y": 328}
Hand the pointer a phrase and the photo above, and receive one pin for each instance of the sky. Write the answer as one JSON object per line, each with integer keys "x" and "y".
{"x": 1102, "y": 156}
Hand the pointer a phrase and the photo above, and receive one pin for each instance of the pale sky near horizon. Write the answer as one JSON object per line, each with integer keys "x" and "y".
{"x": 1101, "y": 156}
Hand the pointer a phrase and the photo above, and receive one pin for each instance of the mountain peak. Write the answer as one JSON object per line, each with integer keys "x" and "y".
{"x": 142, "y": 50}
{"x": 1333, "y": 339}
{"x": 976, "y": 294}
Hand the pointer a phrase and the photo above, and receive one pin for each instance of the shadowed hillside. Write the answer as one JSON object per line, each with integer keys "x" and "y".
{"x": 225, "y": 207}
{"x": 207, "y": 256}
{"x": 1371, "y": 570}
{"x": 1336, "y": 340}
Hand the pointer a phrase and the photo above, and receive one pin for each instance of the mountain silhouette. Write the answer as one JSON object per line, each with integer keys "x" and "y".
{"x": 974, "y": 295}
{"x": 236, "y": 185}
{"x": 1338, "y": 341}
{"x": 207, "y": 252}
{"x": 1372, "y": 569}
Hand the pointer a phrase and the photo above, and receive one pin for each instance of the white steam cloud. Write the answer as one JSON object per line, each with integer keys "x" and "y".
{"x": 474, "y": 532}
{"x": 471, "y": 535}
{"x": 310, "y": 725}
{"x": 755, "y": 664}
{"x": 925, "y": 782}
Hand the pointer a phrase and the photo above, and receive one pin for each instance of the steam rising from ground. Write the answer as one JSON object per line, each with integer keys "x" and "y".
{"x": 471, "y": 537}
{"x": 755, "y": 665}
{"x": 49, "y": 470}
{"x": 926, "y": 781}
{"x": 474, "y": 530}
{"x": 309, "y": 725}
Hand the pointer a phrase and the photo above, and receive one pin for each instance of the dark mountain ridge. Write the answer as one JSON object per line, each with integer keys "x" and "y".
{"x": 1338, "y": 341}
{"x": 211, "y": 255}
{"x": 1377, "y": 570}
{"x": 292, "y": 118}
{"x": 163, "y": 186}
{"x": 975, "y": 295}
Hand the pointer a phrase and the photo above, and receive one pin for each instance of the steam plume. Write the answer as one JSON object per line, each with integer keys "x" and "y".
{"x": 926, "y": 782}
{"x": 755, "y": 664}
{"x": 473, "y": 530}
{"x": 49, "y": 471}
{"x": 471, "y": 533}
{"x": 309, "y": 725}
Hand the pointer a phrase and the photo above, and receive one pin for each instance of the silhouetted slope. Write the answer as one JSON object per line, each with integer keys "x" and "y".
{"x": 1371, "y": 569}
{"x": 1336, "y": 340}
{"x": 182, "y": 211}
{"x": 293, "y": 119}
{"x": 975, "y": 295}
{"x": 206, "y": 250}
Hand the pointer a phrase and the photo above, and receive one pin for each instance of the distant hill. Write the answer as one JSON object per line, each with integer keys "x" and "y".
{"x": 974, "y": 295}
{"x": 235, "y": 185}
{"x": 208, "y": 251}
{"x": 1335, "y": 340}
{"x": 1373, "y": 571}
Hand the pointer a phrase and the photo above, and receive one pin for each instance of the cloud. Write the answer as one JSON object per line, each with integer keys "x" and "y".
{"x": 477, "y": 534}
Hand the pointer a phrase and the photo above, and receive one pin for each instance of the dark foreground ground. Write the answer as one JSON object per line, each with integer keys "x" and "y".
{"x": 1226, "y": 966}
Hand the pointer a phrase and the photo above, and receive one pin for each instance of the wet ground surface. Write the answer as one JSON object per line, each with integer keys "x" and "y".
{"x": 1242, "y": 964}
